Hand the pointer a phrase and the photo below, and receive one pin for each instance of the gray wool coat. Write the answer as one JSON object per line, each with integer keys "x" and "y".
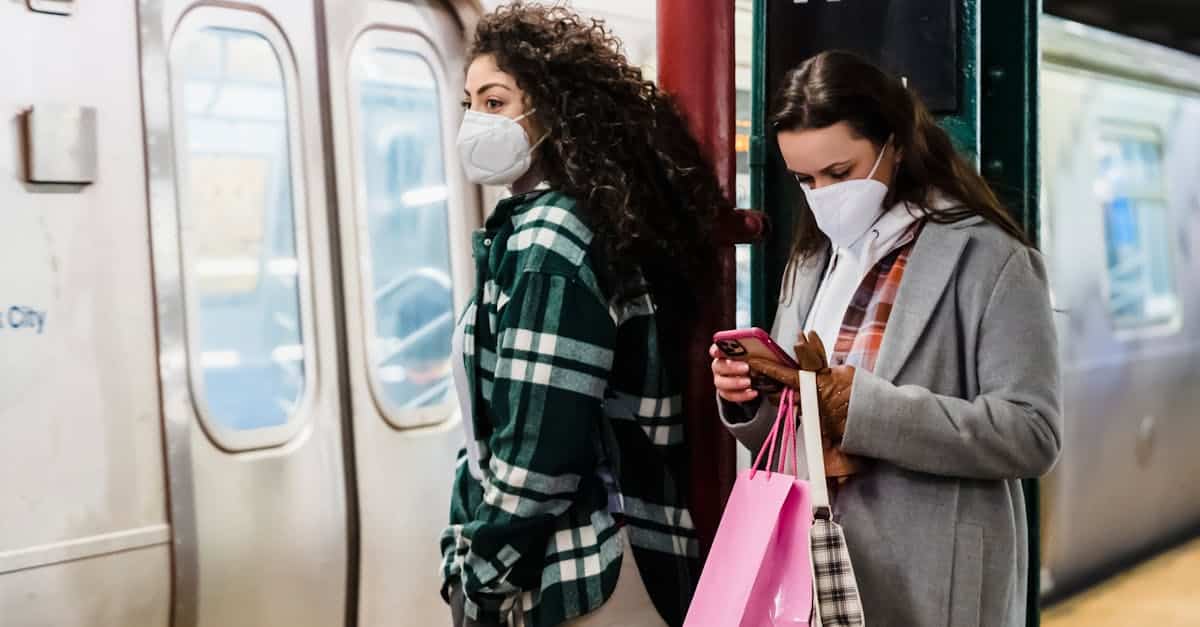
{"x": 963, "y": 403}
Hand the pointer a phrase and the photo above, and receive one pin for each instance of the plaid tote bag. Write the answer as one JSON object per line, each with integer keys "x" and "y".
{"x": 835, "y": 588}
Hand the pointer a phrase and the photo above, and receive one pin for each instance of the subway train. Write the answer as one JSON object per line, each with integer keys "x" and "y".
{"x": 1120, "y": 153}
{"x": 234, "y": 238}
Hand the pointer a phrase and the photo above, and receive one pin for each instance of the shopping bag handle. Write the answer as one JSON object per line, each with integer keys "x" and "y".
{"x": 787, "y": 404}
{"x": 790, "y": 431}
{"x": 811, "y": 421}
{"x": 784, "y": 427}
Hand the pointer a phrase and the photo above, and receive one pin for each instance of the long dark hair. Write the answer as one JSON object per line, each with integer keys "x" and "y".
{"x": 838, "y": 86}
{"x": 616, "y": 144}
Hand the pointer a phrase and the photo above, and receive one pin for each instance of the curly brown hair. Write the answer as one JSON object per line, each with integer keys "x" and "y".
{"x": 616, "y": 144}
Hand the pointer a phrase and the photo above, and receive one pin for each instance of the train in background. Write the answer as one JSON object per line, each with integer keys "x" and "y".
{"x": 235, "y": 236}
{"x": 1120, "y": 153}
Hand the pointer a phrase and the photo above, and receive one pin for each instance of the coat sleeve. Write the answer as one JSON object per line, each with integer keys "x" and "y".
{"x": 749, "y": 423}
{"x": 554, "y": 354}
{"x": 1012, "y": 429}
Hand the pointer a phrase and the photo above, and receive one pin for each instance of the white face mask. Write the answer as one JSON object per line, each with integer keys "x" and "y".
{"x": 846, "y": 211}
{"x": 494, "y": 149}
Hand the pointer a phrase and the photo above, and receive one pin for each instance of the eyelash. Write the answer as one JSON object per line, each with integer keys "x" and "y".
{"x": 490, "y": 103}
{"x": 807, "y": 180}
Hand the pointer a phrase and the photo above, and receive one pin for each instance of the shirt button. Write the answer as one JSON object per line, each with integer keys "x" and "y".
{"x": 487, "y": 241}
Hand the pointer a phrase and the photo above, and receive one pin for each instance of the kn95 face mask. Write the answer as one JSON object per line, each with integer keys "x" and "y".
{"x": 494, "y": 149}
{"x": 846, "y": 211}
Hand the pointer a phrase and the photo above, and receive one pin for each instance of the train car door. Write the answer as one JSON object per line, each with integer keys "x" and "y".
{"x": 395, "y": 71}
{"x": 84, "y": 534}
{"x": 246, "y": 312}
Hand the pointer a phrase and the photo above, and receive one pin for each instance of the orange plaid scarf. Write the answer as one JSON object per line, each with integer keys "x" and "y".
{"x": 866, "y": 318}
{"x": 861, "y": 336}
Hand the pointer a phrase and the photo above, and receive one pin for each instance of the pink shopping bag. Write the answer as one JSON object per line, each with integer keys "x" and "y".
{"x": 759, "y": 572}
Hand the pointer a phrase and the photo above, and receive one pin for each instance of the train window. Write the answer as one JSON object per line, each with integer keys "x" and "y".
{"x": 241, "y": 230}
{"x": 1131, "y": 188}
{"x": 403, "y": 205}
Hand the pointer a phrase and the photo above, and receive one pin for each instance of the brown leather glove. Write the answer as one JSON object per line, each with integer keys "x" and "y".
{"x": 833, "y": 396}
{"x": 833, "y": 399}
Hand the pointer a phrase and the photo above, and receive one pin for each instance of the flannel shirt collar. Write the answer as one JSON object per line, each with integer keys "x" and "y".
{"x": 515, "y": 205}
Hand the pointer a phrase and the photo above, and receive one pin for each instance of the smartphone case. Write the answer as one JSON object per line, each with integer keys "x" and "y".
{"x": 741, "y": 344}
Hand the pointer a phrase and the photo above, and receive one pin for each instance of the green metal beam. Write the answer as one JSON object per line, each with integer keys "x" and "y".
{"x": 1009, "y": 135}
{"x": 963, "y": 126}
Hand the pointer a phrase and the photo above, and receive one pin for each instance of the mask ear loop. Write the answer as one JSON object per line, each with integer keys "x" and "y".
{"x": 539, "y": 142}
{"x": 879, "y": 159}
{"x": 875, "y": 168}
{"x": 524, "y": 115}
{"x": 540, "y": 139}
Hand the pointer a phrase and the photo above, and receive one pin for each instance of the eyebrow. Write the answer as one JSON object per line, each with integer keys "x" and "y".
{"x": 487, "y": 87}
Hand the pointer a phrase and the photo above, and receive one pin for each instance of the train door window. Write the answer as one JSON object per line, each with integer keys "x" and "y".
{"x": 1131, "y": 188}
{"x": 242, "y": 228}
{"x": 403, "y": 203}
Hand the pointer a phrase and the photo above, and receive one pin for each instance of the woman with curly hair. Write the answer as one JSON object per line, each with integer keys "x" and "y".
{"x": 568, "y": 505}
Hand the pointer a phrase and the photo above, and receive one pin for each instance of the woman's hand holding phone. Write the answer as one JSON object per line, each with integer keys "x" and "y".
{"x": 734, "y": 378}
{"x": 731, "y": 378}
{"x": 734, "y": 374}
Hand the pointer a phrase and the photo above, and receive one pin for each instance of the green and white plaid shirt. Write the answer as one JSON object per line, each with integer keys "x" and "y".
{"x": 579, "y": 431}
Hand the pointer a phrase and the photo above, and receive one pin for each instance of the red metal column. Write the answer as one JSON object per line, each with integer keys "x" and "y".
{"x": 696, "y": 65}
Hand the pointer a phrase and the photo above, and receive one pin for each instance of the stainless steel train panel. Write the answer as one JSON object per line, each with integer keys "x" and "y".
{"x": 124, "y": 589}
{"x": 1121, "y": 154}
{"x": 406, "y": 213}
{"x": 248, "y": 352}
{"x": 83, "y": 518}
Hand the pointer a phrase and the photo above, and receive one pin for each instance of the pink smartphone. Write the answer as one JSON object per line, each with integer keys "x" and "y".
{"x": 754, "y": 342}
{"x": 742, "y": 343}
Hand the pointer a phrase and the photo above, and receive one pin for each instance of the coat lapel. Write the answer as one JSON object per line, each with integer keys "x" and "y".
{"x": 933, "y": 262}
{"x": 789, "y": 318}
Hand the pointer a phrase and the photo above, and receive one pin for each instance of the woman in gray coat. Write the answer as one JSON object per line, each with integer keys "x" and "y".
{"x": 939, "y": 390}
